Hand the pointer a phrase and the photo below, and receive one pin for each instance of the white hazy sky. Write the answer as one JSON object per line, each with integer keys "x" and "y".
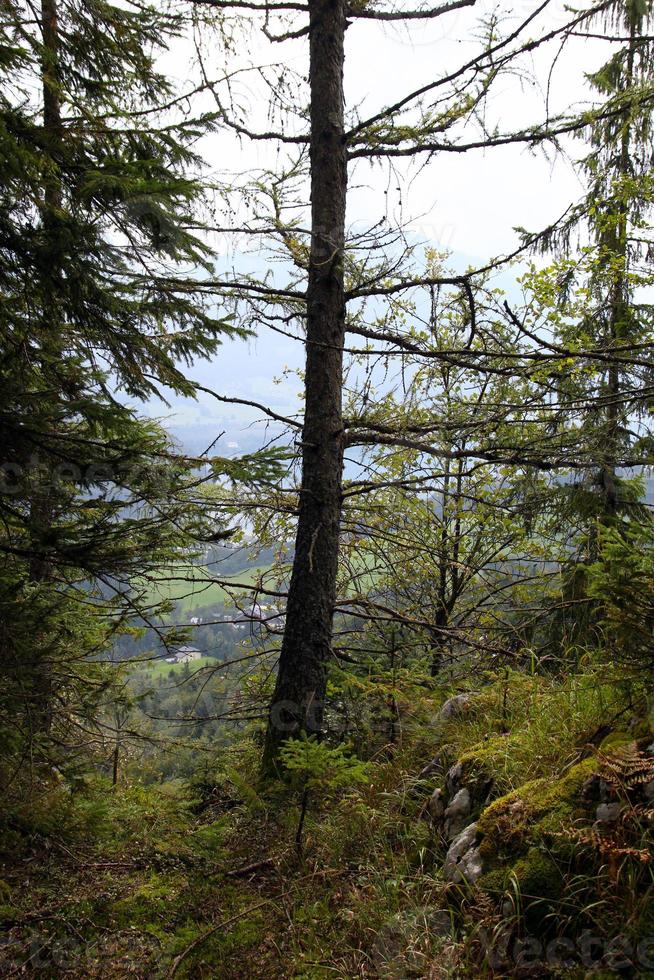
{"x": 468, "y": 204}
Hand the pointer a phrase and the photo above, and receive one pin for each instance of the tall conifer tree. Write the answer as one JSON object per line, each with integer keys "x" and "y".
{"x": 97, "y": 213}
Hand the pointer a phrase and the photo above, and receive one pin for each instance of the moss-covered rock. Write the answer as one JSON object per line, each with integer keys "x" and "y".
{"x": 524, "y": 845}
{"x": 538, "y": 876}
{"x": 495, "y": 882}
{"x": 473, "y": 773}
{"x": 536, "y": 880}
{"x": 479, "y": 766}
{"x": 615, "y": 741}
{"x": 532, "y": 813}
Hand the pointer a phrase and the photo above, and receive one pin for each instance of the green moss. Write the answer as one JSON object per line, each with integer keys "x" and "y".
{"x": 539, "y": 884}
{"x": 616, "y": 740}
{"x": 483, "y": 761}
{"x": 8, "y": 914}
{"x": 532, "y": 812}
{"x": 151, "y": 905}
{"x": 495, "y": 882}
{"x": 524, "y": 846}
{"x": 503, "y": 826}
{"x": 483, "y": 770}
{"x": 224, "y": 951}
{"x": 538, "y": 876}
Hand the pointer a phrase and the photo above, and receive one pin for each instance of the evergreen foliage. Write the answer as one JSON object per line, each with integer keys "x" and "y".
{"x": 98, "y": 214}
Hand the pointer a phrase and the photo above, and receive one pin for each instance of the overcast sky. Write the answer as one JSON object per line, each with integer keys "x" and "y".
{"x": 468, "y": 204}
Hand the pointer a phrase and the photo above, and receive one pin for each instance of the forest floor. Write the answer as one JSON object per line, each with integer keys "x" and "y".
{"x": 138, "y": 884}
{"x": 204, "y": 879}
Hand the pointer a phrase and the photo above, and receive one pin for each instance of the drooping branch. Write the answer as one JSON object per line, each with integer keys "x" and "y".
{"x": 356, "y": 12}
{"x": 544, "y": 132}
{"x": 516, "y": 455}
{"x": 231, "y": 400}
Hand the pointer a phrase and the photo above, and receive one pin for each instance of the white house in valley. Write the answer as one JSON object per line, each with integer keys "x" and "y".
{"x": 184, "y": 655}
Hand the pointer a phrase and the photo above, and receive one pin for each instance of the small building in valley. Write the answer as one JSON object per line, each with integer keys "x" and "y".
{"x": 184, "y": 655}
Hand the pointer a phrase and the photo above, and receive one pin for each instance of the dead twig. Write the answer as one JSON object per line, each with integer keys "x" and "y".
{"x": 177, "y": 962}
{"x": 251, "y": 868}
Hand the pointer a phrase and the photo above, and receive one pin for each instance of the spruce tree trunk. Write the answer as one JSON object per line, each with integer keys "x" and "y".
{"x": 298, "y": 700}
{"x": 51, "y": 96}
{"x": 40, "y": 669}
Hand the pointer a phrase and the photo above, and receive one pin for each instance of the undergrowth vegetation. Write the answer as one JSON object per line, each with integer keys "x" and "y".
{"x": 526, "y": 726}
{"x": 206, "y": 879}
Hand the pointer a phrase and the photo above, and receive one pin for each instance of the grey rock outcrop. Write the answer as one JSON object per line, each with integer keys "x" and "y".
{"x": 436, "y": 805}
{"x": 608, "y": 812}
{"x": 455, "y": 707}
{"x": 453, "y": 779}
{"x": 463, "y": 861}
{"x": 457, "y": 814}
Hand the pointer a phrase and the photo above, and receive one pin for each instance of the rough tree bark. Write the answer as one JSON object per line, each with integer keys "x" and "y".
{"x": 39, "y": 669}
{"x": 298, "y": 700}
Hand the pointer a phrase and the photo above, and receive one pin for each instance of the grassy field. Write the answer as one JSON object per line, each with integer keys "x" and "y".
{"x": 185, "y": 584}
{"x": 159, "y": 668}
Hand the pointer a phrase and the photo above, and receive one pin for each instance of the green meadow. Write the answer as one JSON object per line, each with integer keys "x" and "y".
{"x": 159, "y": 668}
{"x": 191, "y": 587}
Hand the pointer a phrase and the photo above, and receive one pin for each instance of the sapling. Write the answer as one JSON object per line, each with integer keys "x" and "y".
{"x": 313, "y": 766}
